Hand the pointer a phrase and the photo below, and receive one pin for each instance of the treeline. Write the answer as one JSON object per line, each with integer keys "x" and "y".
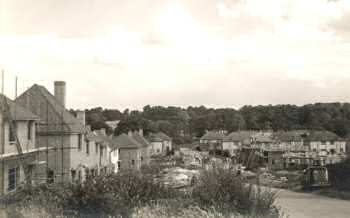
{"x": 185, "y": 123}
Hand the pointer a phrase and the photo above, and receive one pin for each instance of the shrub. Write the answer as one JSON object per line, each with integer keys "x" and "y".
{"x": 108, "y": 195}
{"x": 226, "y": 153}
{"x": 225, "y": 191}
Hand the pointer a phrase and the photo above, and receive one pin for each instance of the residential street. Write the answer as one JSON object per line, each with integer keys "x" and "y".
{"x": 302, "y": 205}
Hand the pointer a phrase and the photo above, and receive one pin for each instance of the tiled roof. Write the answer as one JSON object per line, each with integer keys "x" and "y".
{"x": 290, "y": 136}
{"x": 17, "y": 112}
{"x": 41, "y": 102}
{"x": 154, "y": 138}
{"x": 213, "y": 135}
{"x": 140, "y": 139}
{"x": 125, "y": 141}
{"x": 263, "y": 139}
{"x": 98, "y": 136}
{"x": 323, "y": 135}
{"x": 239, "y": 136}
{"x": 163, "y": 136}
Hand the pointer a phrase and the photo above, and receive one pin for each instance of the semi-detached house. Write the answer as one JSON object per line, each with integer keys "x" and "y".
{"x": 18, "y": 154}
{"x": 73, "y": 157}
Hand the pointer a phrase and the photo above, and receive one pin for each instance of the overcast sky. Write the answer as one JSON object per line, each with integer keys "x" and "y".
{"x": 218, "y": 53}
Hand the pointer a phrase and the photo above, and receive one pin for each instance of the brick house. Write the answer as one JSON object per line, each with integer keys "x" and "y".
{"x": 327, "y": 145}
{"x": 72, "y": 157}
{"x": 160, "y": 143}
{"x": 236, "y": 140}
{"x": 212, "y": 140}
{"x": 146, "y": 146}
{"x": 17, "y": 168}
{"x": 129, "y": 150}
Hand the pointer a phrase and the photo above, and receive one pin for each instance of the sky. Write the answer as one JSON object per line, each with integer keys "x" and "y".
{"x": 218, "y": 53}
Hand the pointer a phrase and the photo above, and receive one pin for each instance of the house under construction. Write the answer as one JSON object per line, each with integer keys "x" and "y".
{"x": 19, "y": 162}
{"x": 74, "y": 156}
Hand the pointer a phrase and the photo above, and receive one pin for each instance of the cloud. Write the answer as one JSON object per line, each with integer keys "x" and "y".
{"x": 221, "y": 52}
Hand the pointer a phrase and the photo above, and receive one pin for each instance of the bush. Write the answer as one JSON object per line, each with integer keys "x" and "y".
{"x": 177, "y": 209}
{"x": 111, "y": 195}
{"x": 217, "y": 193}
{"x": 225, "y": 191}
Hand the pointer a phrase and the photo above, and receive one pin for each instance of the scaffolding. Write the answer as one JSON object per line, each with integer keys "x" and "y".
{"x": 21, "y": 157}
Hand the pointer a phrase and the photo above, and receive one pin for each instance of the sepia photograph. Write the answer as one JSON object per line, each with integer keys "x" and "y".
{"x": 174, "y": 108}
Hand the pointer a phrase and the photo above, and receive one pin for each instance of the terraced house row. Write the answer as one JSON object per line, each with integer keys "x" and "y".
{"x": 281, "y": 149}
{"x": 42, "y": 142}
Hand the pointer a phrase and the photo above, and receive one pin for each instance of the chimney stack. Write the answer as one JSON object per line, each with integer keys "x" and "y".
{"x": 81, "y": 116}
{"x": 130, "y": 133}
{"x": 141, "y": 132}
{"x": 60, "y": 92}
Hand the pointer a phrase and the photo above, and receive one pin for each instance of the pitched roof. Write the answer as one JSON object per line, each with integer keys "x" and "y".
{"x": 41, "y": 102}
{"x": 263, "y": 138}
{"x": 140, "y": 139}
{"x": 239, "y": 136}
{"x": 213, "y": 135}
{"x": 125, "y": 141}
{"x": 290, "y": 136}
{"x": 154, "y": 138}
{"x": 98, "y": 136}
{"x": 17, "y": 112}
{"x": 163, "y": 136}
{"x": 323, "y": 135}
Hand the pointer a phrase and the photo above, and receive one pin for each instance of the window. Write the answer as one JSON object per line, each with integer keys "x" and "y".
{"x": 12, "y": 132}
{"x": 92, "y": 172}
{"x": 101, "y": 150}
{"x": 79, "y": 141}
{"x": 29, "y": 128}
{"x": 13, "y": 178}
{"x": 141, "y": 158}
{"x": 132, "y": 162}
{"x": 96, "y": 147}
{"x": 87, "y": 147}
{"x": 73, "y": 174}
{"x": 119, "y": 165}
{"x": 50, "y": 176}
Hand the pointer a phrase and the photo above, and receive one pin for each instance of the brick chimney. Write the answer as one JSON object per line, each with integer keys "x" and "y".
{"x": 130, "y": 133}
{"x": 60, "y": 92}
{"x": 81, "y": 117}
{"x": 141, "y": 132}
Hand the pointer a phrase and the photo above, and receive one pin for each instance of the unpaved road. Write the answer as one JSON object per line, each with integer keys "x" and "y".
{"x": 305, "y": 205}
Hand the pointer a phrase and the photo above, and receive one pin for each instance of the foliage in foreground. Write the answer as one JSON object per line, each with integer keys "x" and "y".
{"x": 225, "y": 191}
{"x": 103, "y": 196}
{"x": 217, "y": 194}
